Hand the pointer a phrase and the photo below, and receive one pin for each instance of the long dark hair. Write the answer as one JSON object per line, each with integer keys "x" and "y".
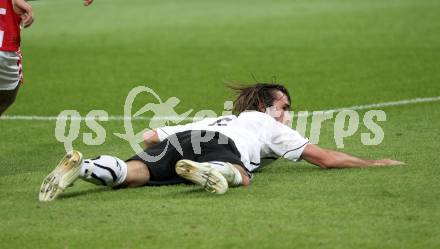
{"x": 256, "y": 97}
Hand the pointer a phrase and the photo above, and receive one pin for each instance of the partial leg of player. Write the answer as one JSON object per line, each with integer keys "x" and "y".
{"x": 103, "y": 170}
{"x": 64, "y": 174}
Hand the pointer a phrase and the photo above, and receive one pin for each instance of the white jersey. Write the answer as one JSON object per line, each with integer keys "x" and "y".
{"x": 255, "y": 134}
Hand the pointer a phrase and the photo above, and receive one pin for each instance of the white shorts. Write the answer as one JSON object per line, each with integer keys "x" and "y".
{"x": 10, "y": 70}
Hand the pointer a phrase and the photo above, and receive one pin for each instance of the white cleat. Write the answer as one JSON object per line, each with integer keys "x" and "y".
{"x": 63, "y": 176}
{"x": 202, "y": 174}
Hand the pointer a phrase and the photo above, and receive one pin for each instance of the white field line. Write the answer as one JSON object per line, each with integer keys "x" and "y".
{"x": 173, "y": 118}
{"x": 379, "y": 105}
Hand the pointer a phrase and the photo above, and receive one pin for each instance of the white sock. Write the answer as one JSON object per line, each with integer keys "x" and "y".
{"x": 228, "y": 170}
{"x": 104, "y": 170}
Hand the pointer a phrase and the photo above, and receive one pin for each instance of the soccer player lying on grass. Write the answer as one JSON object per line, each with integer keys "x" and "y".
{"x": 215, "y": 153}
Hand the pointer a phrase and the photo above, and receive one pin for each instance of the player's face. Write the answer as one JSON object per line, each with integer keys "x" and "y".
{"x": 280, "y": 110}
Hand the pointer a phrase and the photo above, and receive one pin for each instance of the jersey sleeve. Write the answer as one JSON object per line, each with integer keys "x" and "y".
{"x": 286, "y": 142}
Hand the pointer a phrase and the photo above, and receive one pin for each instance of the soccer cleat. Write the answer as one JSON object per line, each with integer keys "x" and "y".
{"x": 63, "y": 176}
{"x": 202, "y": 174}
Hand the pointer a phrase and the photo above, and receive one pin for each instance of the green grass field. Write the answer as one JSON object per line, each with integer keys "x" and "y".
{"x": 330, "y": 54}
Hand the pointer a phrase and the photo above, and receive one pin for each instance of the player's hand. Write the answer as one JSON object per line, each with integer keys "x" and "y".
{"x": 385, "y": 162}
{"x": 24, "y": 10}
{"x": 87, "y": 2}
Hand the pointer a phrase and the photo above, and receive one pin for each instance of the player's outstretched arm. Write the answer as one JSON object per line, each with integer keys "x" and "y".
{"x": 328, "y": 159}
{"x": 24, "y": 10}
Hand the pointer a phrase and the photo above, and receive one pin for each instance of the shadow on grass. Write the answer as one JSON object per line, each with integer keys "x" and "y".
{"x": 84, "y": 192}
{"x": 192, "y": 190}
{"x": 196, "y": 192}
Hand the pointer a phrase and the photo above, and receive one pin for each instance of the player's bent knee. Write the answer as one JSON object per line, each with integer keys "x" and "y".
{"x": 246, "y": 180}
{"x": 137, "y": 174}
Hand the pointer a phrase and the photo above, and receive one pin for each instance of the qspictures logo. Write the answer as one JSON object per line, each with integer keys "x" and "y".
{"x": 163, "y": 113}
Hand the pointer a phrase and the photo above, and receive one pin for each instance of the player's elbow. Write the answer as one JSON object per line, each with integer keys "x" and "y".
{"x": 150, "y": 138}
